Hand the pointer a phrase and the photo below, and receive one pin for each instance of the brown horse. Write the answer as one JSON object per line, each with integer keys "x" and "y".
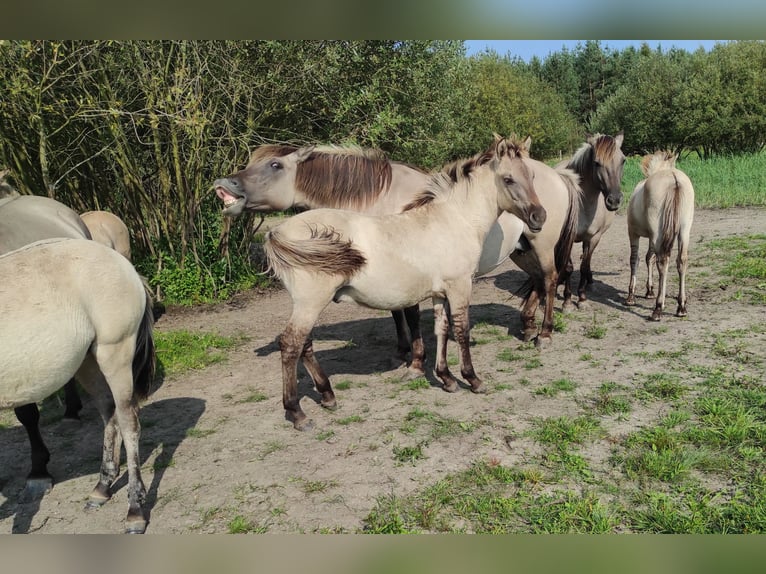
{"x": 662, "y": 209}
{"x": 600, "y": 163}
{"x": 431, "y": 249}
{"x": 278, "y": 177}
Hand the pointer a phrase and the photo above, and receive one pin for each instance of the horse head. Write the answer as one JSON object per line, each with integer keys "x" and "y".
{"x": 265, "y": 184}
{"x": 516, "y": 182}
{"x": 608, "y": 164}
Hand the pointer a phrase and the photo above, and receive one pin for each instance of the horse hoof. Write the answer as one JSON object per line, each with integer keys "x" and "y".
{"x": 330, "y": 405}
{"x": 413, "y": 373}
{"x": 655, "y": 317}
{"x": 527, "y": 336}
{"x": 135, "y": 527}
{"x": 304, "y": 425}
{"x": 630, "y": 302}
{"x": 94, "y": 503}
{"x": 36, "y": 488}
{"x": 583, "y": 304}
{"x": 451, "y": 387}
{"x": 543, "y": 343}
{"x": 681, "y": 313}
{"x": 480, "y": 389}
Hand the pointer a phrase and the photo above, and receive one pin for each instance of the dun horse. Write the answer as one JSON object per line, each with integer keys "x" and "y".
{"x": 107, "y": 228}
{"x": 279, "y": 177}
{"x": 78, "y": 309}
{"x": 600, "y": 163}
{"x": 431, "y": 249}
{"x": 662, "y": 209}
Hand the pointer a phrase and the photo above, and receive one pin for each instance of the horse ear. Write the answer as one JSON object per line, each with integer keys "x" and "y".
{"x": 302, "y": 154}
{"x": 618, "y": 138}
{"x": 528, "y": 143}
{"x": 501, "y": 147}
{"x": 497, "y": 137}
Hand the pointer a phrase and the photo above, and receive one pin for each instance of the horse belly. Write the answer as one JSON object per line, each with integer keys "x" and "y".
{"x": 38, "y": 359}
{"x": 502, "y": 239}
{"x": 395, "y": 290}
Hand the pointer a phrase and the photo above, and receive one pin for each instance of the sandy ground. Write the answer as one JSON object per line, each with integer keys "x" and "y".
{"x": 211, "y": 452}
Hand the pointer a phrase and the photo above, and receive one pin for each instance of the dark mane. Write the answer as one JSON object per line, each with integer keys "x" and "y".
{"x": 599, "y": 147}
{"x": 344, "y": 177}
{"x": 445, "y": 179}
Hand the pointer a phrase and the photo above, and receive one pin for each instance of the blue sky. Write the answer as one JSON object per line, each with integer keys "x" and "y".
{"x": 525, "y": 49}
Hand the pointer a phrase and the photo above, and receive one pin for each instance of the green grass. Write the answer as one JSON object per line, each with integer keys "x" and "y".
{"x": 181, "y": 351}
{"x": 742, "y": 261}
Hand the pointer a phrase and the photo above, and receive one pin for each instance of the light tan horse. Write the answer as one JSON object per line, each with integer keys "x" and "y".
{"x": 395, "y": 261}
{"x": 60, "y": 319}
{"x": 278, "y": 177}
{"x": 107, "y": 228}
{"x": 662, "y": 209}
{"x": 599, "y": 163}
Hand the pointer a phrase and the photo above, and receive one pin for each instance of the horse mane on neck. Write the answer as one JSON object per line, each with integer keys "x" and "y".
{"x": 664, "y": 159}
{"x": 447, "y": 178}
{"x": 344, "y": 176}
{"x": 598, "y": 147}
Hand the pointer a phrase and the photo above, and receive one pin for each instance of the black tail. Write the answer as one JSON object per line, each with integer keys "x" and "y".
{"x": 145, "y": 359}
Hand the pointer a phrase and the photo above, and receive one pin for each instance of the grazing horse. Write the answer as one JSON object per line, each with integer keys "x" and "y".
{"x": 600, "y": 163}
{"x": 662, "y": 209}
{"x": 76, "y": 308}
{"x": 107, "y": 228}
{"x": 431, "y": 249}
{"x": 278, "y": 177}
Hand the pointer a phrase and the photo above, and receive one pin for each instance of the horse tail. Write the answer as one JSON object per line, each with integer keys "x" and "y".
{"x": 671, "y": 217}
{"x": 145, "y": 358}
{"x": 324, "y": 251}
{"x": 563, "y": 248}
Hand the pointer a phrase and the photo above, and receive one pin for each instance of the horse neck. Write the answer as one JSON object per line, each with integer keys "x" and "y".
{"x": 475, "y": 199}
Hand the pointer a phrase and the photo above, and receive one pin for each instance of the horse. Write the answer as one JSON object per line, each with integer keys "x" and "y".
{"x": 430, "y": 249}
{"x": 95, "y": 327}
{"x": 661, "y": 208}
{"x": 600, "y": 164}
{"x": 279, "y": 177}
{"x": 107, "y": 228}
{"x": 25, "y": 219}
{"x": 545, "y": 254}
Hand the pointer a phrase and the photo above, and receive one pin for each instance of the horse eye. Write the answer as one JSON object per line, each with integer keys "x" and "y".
{"x": 275, "y": 165}
{"x": 508, "y": 180}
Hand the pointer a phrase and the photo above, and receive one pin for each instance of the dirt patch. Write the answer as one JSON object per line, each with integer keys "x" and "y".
{"x": 215, "y": 444}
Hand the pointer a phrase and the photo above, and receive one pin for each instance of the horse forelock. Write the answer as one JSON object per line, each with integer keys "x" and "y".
{"x": 516, "y": 147}
{"x": 664, "y": 159}
{"x": 344, "y": 176}
{"x": 604, "y": 148}
{"x": 271, "y": 150}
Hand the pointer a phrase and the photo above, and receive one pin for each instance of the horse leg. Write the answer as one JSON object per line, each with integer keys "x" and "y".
{"x": 682, "y": 261}
{"x": 115, "y": 362}
{"x": 441, "y": 329}
{"x": 402, "y": 339}
{"x": 293, "y": 345}
{"x": 631, "y": 299}
{"x": 72, "y": 401}
{"x": 321, "y": 381}
{"x": 662, "y": 276}
{"x": 586, "y": 275}
{"x": 412, "y": 314}
{"x": 39, "y": 481}
{"x": 92, "y": 379}
{"x": 528, "y": 325}
{"x": 651, "y": 259}
{"x": 545, "y": 338}
{"x": 564, "y": 279}
{"x": 461, "y": 329}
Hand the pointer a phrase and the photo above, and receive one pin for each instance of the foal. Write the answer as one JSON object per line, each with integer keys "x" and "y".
{"x": 662, "y": 209}
{"x": 395, "y": 261}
